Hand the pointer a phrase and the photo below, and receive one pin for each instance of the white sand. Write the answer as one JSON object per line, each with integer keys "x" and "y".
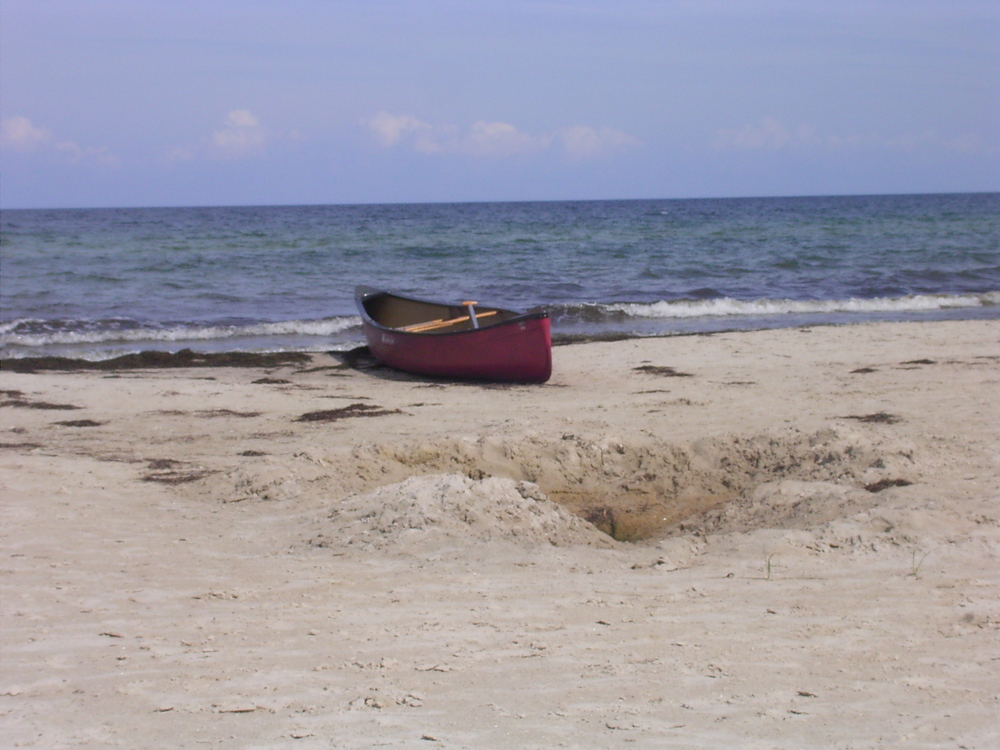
{"x": 201, "y": 569}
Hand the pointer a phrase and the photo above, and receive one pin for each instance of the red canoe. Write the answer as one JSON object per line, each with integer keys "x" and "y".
{"x": 456, "y": 341}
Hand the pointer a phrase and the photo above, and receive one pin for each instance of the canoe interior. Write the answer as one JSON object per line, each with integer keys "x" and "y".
{"x": 399, "y": 312}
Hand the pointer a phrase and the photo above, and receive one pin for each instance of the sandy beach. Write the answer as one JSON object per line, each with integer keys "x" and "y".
{"x": 771, "y": 539}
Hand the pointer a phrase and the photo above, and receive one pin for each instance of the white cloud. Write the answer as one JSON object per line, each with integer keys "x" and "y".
{"x": 585, "y": 142}
{"x": 19, "y": 134}
{"x": 390, "y": 129}
{"x": 498, "y": 139}
{"x": 241, "y": 137}
{"x": 494, "y": 140}
{"x": 483, "y": 139}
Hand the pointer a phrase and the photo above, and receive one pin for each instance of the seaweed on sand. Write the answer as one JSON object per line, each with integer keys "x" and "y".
{"x": 354, "y": 410}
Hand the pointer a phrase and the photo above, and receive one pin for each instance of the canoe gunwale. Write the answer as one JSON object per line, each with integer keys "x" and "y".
{"x": 514, "y": 347}
{"x": 363, "y": 293}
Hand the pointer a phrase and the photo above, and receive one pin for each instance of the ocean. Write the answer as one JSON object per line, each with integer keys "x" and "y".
{"x": 98, "y": 283}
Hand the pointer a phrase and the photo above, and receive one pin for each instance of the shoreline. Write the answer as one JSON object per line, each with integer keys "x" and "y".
{"x": 249, "y": 340}
{"x": 188, "y": 357}
{"x": 304, "y": 552}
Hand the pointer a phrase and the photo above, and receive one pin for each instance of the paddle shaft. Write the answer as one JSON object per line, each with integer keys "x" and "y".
{"x": 443, "y": 322}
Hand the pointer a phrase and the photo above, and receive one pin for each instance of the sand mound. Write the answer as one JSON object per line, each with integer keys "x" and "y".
{"x": 430, "y": 512}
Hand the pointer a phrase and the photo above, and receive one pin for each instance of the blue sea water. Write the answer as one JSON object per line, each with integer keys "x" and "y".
{"x": 103, "y": 282}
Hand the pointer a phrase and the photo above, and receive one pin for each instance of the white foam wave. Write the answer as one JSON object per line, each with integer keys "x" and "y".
{"x": 326, "y": 327}
{"x": 730, "y": 307}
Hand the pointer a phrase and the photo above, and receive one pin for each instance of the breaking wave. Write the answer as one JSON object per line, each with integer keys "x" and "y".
{"x": 727, "y": 307}
{"x": 29, "y": 333}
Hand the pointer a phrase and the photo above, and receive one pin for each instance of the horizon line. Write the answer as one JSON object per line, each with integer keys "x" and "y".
{"x": 484, "y": 202}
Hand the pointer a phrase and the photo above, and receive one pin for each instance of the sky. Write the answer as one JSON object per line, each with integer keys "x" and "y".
{"x": 245, "y": 102}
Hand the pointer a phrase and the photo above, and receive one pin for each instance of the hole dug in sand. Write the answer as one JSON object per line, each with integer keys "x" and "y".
{"x": 497, "y": 488}
{"x": 730, "y": 483}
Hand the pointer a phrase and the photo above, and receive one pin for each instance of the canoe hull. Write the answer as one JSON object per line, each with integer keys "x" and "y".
{"x": 517, "y": 349}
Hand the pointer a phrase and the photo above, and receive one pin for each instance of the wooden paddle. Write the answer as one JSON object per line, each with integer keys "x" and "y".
{"x": 430, "y": 325}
